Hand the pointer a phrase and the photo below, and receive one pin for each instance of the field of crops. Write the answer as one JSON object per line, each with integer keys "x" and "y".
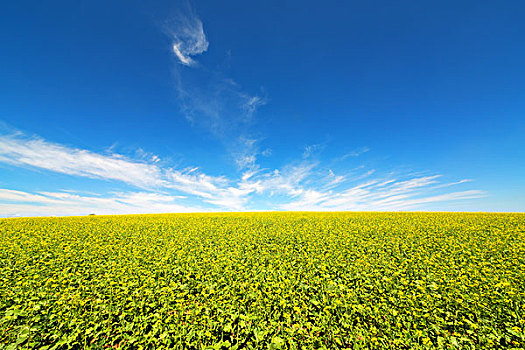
{"x": 263, "y": 281}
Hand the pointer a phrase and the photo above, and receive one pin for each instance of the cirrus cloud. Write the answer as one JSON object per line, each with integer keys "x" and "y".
{"x": 304, "y": 184}
{"x": 188, "y": 37}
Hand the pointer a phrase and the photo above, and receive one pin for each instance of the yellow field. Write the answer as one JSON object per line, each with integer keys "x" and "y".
{"x": 263, "y": 281}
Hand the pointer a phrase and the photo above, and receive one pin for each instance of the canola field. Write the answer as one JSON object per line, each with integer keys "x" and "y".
{"x": 263, "y": 281}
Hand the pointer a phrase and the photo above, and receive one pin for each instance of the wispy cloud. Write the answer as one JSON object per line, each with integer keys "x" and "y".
{"x": 383, "y": 195}
{"x": 187, "y": 34}
{"x": 245, "y": 152}
{"x": 18, "y": 149}
{"x": 209, "y": 97}
{"x": 301, "y": 185}
{"x": 333, "y": 179}
{"x": 311, "y": 150}
{"x": 251, "y": 103}
{"x": 20, "y": 203}
{"x": 354, "y": 153}
{"x": 36, "y": 153}
{"x": 216, "y": 103}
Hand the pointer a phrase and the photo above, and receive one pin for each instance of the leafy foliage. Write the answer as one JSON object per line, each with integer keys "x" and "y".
{"x": 263, "y": 281}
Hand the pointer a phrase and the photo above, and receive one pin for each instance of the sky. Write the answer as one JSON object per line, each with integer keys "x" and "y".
{"x": 129, "y": 107}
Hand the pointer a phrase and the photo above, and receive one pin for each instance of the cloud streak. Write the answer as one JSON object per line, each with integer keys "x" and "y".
{"x": 19, "y": 150}
{"x": 300, "y": 185}
{"x": 355, "y": 153}
{"x": 379, "y": 195}
{"x": 20, "y": 203}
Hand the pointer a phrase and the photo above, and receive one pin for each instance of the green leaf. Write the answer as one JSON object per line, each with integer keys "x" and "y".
{"x": 277, "y": 343}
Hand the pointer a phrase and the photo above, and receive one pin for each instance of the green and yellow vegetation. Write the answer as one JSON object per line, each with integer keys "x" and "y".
{"x": 263, "y": 281}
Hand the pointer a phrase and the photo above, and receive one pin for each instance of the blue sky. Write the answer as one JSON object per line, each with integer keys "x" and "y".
{"x": 139, "y": 107}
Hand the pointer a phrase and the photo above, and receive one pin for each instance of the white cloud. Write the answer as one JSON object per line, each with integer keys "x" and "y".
{"x": 245, "y": 152}
{"x": 355, "y": 153}
{"x": 187, "y": 33}
{"x": 246, "y": 161}
{"x": 19, "y": 203}
{"x": 209, "y": 98}
{"x": 287, "y": 181}
{"x": 333, "y": 180}
{"x": 19, "y": 150}
{"x": 251, "y": 104}
{"x": 267, "y": 152}
{"x": 311, "y": 150}
{"x": 381, "y": 195}
{"x": 302, "y": 185}
{"x": 217, "y": 104}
